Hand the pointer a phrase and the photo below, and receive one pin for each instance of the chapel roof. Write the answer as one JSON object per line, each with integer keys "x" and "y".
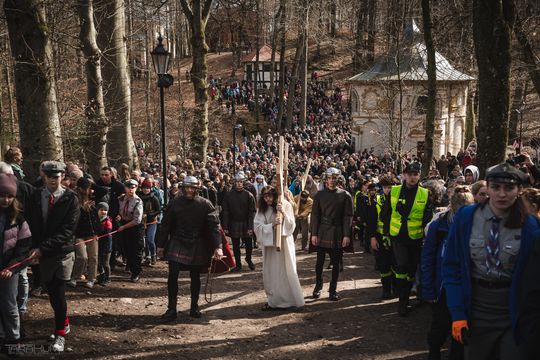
{"x": 412, "y": 64}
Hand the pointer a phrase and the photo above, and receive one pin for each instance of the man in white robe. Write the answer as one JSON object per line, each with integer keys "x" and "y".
{"x": 280, "y": 279}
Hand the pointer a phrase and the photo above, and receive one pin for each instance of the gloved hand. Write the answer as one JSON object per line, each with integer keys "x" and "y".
{"x": 457, "y": 328}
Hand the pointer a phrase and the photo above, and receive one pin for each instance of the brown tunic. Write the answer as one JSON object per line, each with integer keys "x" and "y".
{"x": 331, "y": 217}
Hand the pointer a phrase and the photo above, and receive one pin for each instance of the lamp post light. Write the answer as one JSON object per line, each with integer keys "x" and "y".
{"x": 160, "y": 58}
{"x": 236, "y": 127}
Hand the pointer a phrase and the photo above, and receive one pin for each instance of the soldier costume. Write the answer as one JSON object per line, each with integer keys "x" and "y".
{"x": 238, "y": 215}
{"x": 183, "y": 241}
{"x": 331, "y": 224}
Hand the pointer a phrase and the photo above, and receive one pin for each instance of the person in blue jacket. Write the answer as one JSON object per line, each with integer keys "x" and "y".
{"x": 431, "y": 264}
{"x": 487, "y": 248}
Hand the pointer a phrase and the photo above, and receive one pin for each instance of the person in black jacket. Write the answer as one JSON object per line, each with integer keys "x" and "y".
{"x": 114, "y": 190}
{"x": 151, "y": 211}
{"x": 86, "y": 254}
{"x": 238, "y": 215}
{"x": 53, "y": 218}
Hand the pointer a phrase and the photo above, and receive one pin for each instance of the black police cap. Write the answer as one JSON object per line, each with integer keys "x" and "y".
{"x": 413, "y": 167}
{"x": 505, "y": 173}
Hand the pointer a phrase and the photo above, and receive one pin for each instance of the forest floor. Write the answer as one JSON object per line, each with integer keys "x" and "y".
{"x": 122, "y": 321}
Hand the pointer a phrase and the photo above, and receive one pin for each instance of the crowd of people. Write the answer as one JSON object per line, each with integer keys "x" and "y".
{"x": 468, "y": 246}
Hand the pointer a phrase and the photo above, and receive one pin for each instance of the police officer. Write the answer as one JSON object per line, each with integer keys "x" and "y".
{"x": 238, "y": 215}
{"x": 405, "y": 214}
{"x": 331, "y": 229}
{"x": 131, "y": 229}
{"x": 380, "y": 241}
{"x": 183, "y": 242}
{"x": 487, "y": 249}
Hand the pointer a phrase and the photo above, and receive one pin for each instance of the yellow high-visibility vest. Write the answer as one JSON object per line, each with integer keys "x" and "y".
{"x": 414, "y": 222}
{"x": 378, "y": 205}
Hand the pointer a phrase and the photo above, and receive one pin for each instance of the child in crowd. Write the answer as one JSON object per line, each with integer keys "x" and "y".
{"x": 105, "y": 244}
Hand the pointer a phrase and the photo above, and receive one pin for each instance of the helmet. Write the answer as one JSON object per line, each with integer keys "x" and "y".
{"x": 332, "y": 171}
{"x": 191, "y": 181}
{"x": 240, "y": 176}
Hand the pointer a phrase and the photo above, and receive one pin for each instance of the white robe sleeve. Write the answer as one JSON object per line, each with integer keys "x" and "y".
{"x": 289, "y": 222}
{"x": 264, "y": 232}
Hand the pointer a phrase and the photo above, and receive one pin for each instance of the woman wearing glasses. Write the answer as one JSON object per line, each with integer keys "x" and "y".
{"x": 487, "y": 248}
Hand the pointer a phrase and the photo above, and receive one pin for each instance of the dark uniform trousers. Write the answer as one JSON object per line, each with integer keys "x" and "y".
{"x": 384, "y": 258}
{"x": 335, "y": 256}
{"x": 133, "y": 242}
{"x": 248, "y": 242}
{"x": 407, "y": 257}
{"x": 441, "y": 326}
{"x": 172, "y": 283}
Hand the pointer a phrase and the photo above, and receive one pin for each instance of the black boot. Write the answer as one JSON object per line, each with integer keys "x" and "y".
{"x": 333, "y": 293}
{"x": 317, "y": 290}
{"x": 170, "y": 315}
{"x": 250, "y": 263}
{"x": 386, "y": 287}
{"x": 194, "y": 311}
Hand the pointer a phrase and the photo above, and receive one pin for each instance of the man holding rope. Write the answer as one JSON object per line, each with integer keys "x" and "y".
{"x": 188, "y": 235}
{"x": 53, "y": 217}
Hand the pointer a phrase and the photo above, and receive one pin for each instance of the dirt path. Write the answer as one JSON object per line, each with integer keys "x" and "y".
{"x": 122, "y": 320}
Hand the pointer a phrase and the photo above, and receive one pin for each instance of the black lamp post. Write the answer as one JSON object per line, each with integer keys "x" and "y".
{"x": 236, "y": 127}
{"x": 160, "y": 58}
{"x": 520, "y": 139}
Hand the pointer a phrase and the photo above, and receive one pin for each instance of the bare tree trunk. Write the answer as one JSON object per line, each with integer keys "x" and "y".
{"x": 304, "y": 66}
{"x": 528, "y": 55}
{"x": 282, "y": 71}
{"x": 96, "y": 121}
{"x": 517, "y": 100}
{"x": 116, "y": 81}
{"x": 31, "y": 49}
{"x": 12, "y": 122}
{"x": 432, "y": 89}
{"x": 333, "y": 18}
{"x": 197, "y": 16}
{"x": 273, "y": 55}
{"x": 148, "y": 79}
{"x": 371, "y": 30}
{"x": 493, "y": 21}
{"x": 470, "y": 121}
{"x": 294, "y": 78}
{"x": 359, "y": 36}
{"x": 257, "y": 55}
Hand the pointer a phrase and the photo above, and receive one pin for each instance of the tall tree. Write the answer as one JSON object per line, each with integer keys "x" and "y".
{"x": 282, "y": 71}
{"x": 533, "y": 65}
{"x": 96, "y": 121}
{"x": 492, "y": 24}
{"x": 111, "y": 25}
{"x": 197, "y": 15}
{"x": 432, "y": 88}
{"x": 304, "y": 65}
{"x": 39, "y": 125}
{"x": 273, "y": 54}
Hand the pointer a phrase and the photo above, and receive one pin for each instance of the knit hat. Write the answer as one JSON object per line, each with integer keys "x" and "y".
{"x": 8, "y": 184}
{"x": 146, "y": 184}
{"x": 103, "y": 205}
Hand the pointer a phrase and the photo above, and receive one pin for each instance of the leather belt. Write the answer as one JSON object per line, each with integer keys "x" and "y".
{"x": 489, "y": 284}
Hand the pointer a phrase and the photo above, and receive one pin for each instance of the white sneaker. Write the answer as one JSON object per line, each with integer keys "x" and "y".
{"x": 59, "y": 344}
{"x": 52, "y": 337}
{"x": 89, "y": 284}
